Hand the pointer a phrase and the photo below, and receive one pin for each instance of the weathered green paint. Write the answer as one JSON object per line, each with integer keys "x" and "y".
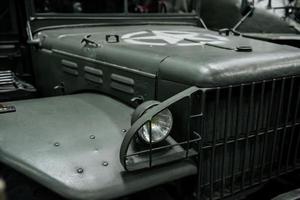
{"x": 71, "y": 145}
{"x": 50, "y": 140}
{"x": 204, "y": 66}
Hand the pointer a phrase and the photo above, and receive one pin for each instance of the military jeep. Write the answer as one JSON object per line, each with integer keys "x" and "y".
{"x": 136, "y": 94}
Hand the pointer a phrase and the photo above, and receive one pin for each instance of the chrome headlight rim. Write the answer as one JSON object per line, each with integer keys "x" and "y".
{"x": 141, "y": 110}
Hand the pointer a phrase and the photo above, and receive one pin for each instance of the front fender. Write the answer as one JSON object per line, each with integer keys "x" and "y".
{"x": 71, "y": 144}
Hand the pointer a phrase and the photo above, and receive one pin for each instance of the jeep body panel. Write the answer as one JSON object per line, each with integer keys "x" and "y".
{"x": 70, "y": 144}
{"x": 279, "y": 38}
{"x": 150, "y": 70}
{"x": 184, "y": 61}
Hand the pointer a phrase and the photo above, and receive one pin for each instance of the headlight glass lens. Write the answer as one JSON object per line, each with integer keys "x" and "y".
{"x": 161, "y": 126}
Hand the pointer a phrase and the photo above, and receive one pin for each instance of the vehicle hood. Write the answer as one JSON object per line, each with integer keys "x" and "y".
{"x": 185, "y": 54}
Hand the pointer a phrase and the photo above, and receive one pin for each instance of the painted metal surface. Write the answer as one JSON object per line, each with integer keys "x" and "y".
{"x": 81, "y": 135}
{"x": 292, "y": 195}
{"x": 185, "y": 54}
{"x": 71, "y": 145}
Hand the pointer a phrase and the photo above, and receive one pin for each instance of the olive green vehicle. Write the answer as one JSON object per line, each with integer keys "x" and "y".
{"x": 134, "y": 94}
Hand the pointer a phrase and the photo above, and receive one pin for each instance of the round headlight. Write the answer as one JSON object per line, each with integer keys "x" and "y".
{"x": 161, "y": 124}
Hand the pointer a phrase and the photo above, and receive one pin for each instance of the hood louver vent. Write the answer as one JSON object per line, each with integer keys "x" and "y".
{"x": 122, "y": 83}
{"x": 70, "y": 67}
{"x": 93, "y": 75}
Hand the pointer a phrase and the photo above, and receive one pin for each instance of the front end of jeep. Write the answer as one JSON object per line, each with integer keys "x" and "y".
{"x": 137, "y": 94}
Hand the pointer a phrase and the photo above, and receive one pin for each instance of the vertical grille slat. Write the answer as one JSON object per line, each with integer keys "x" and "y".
{"x": 294, "y": 127}
{"x": 285, "y": 124}
{"x": 265, "y": 142}
{"x": 251, "y": 134}
{"x": 188, "y": 135}
{"x": 200, "y": 150}
{"x": 276, "y": 126}
{"x": 226, "y": 133}
{"x": 258, "y": 120}
{"x": 237, "y": 127}
{"x": 248, "y": 125}
{"x": 213, "y": 149}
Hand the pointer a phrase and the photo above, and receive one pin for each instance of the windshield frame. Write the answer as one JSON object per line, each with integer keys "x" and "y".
{"x": 33, "y": 14}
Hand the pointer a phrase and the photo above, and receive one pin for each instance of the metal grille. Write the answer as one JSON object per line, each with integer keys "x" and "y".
{"x": 240, "y": 136}
{"x": 251, "y": 133}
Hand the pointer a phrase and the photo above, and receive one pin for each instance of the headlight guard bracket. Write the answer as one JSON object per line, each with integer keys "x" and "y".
{"x": 173, "y": 150}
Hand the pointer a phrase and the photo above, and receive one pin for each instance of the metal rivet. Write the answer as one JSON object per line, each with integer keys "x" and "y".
{"x": 105, "y": 164}
{"x": 124, "y": 130}
{"x": 79, "y": 170}
{"x": 92, "y": 137}
{"x": 56, "y": 144}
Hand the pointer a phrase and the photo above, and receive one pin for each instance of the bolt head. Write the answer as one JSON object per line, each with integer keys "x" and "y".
{"x": 79, "y": 170}
{"x": 56, "y": 144}
{"x": 105, "y": 164}
{"x": 92, "y": 137}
